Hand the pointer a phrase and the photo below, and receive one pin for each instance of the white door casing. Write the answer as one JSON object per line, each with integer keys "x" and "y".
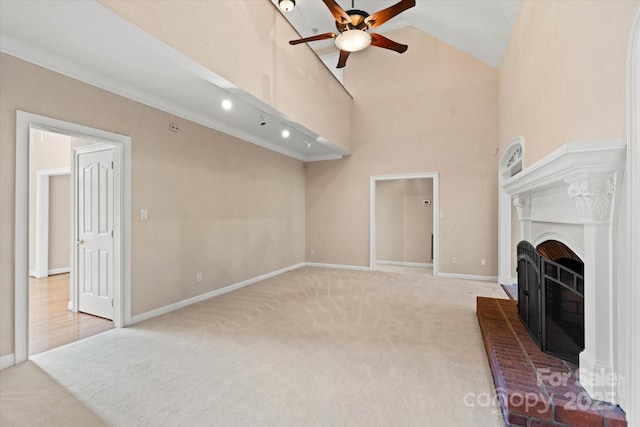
{"x": 434, "y": 176}
{"x": 122, "y": 246}
{"x": 95, "y": 230}
{"x": 42, "y": 220}
{"x": 511, "y": 163}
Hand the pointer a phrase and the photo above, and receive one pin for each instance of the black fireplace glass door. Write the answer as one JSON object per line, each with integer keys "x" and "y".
{"x": 563, "y": 310}
{"x": 529, "y": 291}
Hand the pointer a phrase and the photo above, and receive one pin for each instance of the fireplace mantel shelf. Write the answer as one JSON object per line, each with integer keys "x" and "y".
{"x": 569, "y": 162}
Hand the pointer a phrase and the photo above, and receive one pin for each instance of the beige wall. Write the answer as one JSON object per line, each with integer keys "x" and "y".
{"x": 563, "y": 76}
{"x": 431, "y": 109}
{"x": 217, "y": 205}
{"x": 404, "y": 223}
{"x": 49, "y": 151}
{"x": 247, "y": 43}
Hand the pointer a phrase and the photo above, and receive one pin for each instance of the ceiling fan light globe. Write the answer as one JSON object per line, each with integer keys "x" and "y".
{"x": 287, "y": 5}
{"x": 353, "y": 40}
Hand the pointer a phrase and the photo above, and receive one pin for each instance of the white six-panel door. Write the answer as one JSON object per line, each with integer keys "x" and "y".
{"x": 95, "y": 233}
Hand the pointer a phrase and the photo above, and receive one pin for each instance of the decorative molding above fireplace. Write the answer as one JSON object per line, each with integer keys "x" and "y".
{"x": 571, "y": 195}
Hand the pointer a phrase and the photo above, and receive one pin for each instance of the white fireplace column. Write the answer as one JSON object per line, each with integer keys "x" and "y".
{"x": 593, "y": 196}
{"x": 523, "y": 207}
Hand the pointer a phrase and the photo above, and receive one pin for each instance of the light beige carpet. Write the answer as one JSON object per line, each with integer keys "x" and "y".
{"x": 312, "y": 347}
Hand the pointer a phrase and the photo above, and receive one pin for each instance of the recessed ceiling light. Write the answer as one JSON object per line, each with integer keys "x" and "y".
{"x": 226, "y": 104}
{"x": 286, "y": 133}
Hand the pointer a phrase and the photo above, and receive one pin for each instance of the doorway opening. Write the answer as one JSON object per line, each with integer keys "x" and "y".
{"x": 403, "y": 222}
{"x": 52, "y": 319}
{"x": 120, "y": 146}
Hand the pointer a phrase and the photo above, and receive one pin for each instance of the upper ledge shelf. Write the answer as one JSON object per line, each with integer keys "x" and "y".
{"x": 147, "y": 71}
{"x": 569, "y": 162}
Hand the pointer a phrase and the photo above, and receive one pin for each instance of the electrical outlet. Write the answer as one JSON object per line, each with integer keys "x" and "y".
{"x": 483, "y": 262}
{"x": 454, "y": 260}
{"x": 313, "y": 251}
{"x": 199, "y": 277}
{"x": 174, "y": 127}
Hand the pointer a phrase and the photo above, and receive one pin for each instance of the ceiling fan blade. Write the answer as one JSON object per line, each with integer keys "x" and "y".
{"x": 338, "y": 12}
{"x": 381, "y": 41}
{"x": 344, "y": 54}
{"x": 314, "y": 38}
{"x": 384, "y": 15}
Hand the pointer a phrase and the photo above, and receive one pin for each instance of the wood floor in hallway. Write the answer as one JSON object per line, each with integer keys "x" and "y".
{"x": 51, "y": 325}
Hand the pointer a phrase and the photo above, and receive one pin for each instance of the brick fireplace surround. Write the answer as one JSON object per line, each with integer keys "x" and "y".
{"x": 535, "y": 388}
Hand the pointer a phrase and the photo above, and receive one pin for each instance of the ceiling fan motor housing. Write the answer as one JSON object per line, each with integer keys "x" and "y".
{"x": 357, "y": 21}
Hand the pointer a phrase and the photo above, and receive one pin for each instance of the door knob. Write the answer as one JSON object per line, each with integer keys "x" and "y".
{"x": 80, "y": 241}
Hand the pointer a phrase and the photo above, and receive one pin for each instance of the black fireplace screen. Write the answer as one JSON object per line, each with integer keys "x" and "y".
{"x": 551, "y": 302}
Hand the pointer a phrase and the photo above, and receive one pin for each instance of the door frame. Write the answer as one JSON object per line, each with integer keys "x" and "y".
{"x": 508, "y": 164}
{"x": 41, "y": 241}
{"x": 122, "y": 294}
{"x": 117, "y": 220}
{"x": 434, "y": 176}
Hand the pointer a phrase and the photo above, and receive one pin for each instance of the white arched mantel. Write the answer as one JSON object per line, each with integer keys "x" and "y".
{"x": 511, "y": 163}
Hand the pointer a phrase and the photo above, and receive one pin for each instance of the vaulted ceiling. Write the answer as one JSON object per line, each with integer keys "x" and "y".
{"x": 117, "y": 56}
{"x": 479, "y": 28}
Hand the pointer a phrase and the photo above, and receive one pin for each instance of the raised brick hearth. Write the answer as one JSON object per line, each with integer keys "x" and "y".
{"x": 534, "y": 388}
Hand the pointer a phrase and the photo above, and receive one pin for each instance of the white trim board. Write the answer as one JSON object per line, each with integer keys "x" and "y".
{"x": 469, "y": 277}
{"x": 7, "y": 360}
{"x": 632, "y": 385}
{"x": 122, "y": 299}
{"x": 406, "y": 264}
{"x": 435, "y": 177}
{"x": 52, "y": 272}
{"x": 338, "y": 266}
{"x": 202, "y": 297}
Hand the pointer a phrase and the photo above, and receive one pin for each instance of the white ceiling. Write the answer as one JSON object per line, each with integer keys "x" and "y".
{"x": 480, "y": 28}
{"x": 117, "y": 56}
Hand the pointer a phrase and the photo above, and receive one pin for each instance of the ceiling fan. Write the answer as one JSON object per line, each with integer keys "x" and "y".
{"x": 353, "y": 26}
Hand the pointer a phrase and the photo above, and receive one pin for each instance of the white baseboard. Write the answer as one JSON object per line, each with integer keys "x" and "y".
{"x": 7, "y": 360}
{"x": 406, "y": 264}
{"x": 52, "y": 272}
{"x": 180, "y": 304}
{"x": 469, "y": 277}
{"x": 338, "y": 266}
